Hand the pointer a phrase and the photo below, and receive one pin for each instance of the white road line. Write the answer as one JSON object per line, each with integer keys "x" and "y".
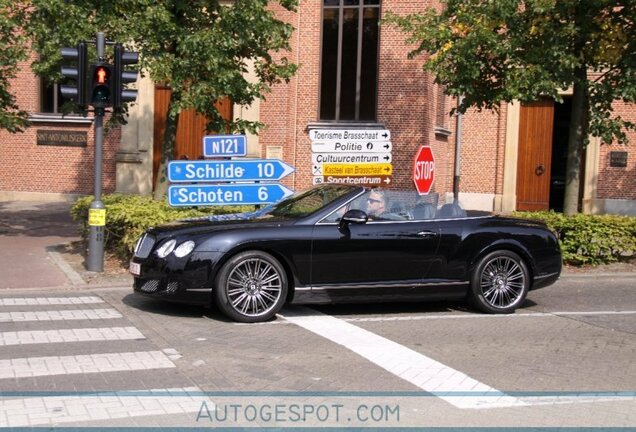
{"x": 69, "y": 409}
{"x": 454, "y": 316}
{"x": 421, "y": 371}
{"x": 59, "y": 315}
{"x": 483, "y": 316}
{"x": 70, "y": 335}
{"x": 82, "y": 364}
{"x": 36, "y": 301}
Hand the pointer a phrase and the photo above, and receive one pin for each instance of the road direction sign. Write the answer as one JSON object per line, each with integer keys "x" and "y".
{"x": 355, "y": 170}
{"x": 424, "y": 170}
{"x": 321, "y": 158}
{"x": 231, "y": 170}
{"x": 226, "y": 194}
{"x": 360, "y": 181}
{"x": 224, "y": 145}
{"x": 359, "y": 135}
{"x": 351, "y": 146}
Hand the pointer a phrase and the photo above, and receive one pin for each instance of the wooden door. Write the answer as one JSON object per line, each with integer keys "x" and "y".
{"x": 190, "y": 131}
{"x": 535, "y": 154}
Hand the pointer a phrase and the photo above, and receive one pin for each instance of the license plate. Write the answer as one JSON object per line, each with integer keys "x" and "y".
{"x": 135, "y": 268}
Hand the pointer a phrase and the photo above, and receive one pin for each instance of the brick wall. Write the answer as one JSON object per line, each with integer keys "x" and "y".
{"x": 614, "y": 182}
{"x": 483, "y": 140}
{"x": 28, "y": 167}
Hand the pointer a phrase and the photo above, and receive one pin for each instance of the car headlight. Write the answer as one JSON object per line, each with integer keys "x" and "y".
{"x": 184, "y": 249}
{"x": 166, "y": 248}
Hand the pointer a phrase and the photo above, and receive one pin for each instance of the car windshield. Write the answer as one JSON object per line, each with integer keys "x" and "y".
{"x": 305, "y": 203}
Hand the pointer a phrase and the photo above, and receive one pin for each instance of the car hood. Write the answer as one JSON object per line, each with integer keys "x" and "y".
{"x": 212, "y": 224}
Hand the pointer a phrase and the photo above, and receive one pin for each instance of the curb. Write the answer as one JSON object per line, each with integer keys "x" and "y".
{"x": 68, "y": 271}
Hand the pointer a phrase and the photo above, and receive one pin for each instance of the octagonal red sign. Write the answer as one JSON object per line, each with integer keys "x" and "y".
{"x": 424, "y": 170}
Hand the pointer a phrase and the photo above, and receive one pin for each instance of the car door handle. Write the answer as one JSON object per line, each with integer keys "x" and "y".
{"x": 426, "y": 234}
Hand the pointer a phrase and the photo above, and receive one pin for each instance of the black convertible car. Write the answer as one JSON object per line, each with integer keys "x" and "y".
{"x": 338, "y": 243}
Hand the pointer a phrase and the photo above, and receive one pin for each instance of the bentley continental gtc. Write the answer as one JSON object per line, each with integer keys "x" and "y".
{"x": 341, "y": 243}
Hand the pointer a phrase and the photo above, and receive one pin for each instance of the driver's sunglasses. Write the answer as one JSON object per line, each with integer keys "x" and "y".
{"x": 371, "y": 200}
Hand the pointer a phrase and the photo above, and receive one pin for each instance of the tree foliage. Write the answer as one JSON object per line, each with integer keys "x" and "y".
{"x": 12, "y": 51}
{"x": 203, "y": 49}
{"x": 494, "y": 51}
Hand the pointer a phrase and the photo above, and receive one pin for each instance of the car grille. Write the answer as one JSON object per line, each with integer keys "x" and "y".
{"x": 144, "y": 247}
{"x": 156, "y": 286}
{"x": 149, "y": 285}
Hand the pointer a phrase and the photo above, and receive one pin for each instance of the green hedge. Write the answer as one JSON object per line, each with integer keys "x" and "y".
{"x": 128, "y": 216}
{"x": 591, "y": 239}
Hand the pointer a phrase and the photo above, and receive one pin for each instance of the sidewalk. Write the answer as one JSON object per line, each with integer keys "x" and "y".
{"x": 40, "y": 248}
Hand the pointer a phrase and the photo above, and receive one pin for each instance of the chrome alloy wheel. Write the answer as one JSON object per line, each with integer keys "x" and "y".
{"x": 254, "y": 287}
{"x": 502, "y": 282}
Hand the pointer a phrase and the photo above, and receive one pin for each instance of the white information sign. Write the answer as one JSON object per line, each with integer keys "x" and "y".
{"x": 339, "y": 158}
{"x": 359, "y": 135}
{"x": 351, "y": 147}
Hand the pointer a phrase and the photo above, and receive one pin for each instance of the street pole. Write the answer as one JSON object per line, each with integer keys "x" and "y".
{"x": 458, "y": 151}
{"x": 97, "y": 211}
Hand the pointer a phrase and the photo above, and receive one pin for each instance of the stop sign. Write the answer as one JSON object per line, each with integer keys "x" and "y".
{"x": 424, "y": 170}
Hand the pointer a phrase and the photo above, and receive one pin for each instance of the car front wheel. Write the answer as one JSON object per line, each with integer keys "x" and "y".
{"x": 251, "y": 287}
{"x": 500, "y": 282}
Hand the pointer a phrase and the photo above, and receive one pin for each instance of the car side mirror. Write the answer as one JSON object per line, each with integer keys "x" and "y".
{"x": 354, "y": 216}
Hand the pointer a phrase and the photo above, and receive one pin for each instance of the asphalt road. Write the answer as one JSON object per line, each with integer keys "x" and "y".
{"x": 566, "y": 359}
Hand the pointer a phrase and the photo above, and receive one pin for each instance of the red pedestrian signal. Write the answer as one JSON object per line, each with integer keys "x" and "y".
{"x": 100, "y": 85}
{"x": 101, "y": 73}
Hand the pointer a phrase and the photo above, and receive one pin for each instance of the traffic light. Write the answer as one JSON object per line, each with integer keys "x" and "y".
{"x": 76, "y": 92}
{"x": 101, "y": 85}
{"x": 121, "y": 95}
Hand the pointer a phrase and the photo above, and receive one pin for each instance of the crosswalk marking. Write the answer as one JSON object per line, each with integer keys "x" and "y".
{"x": 59, "y": 315}
{"x": 69, "y": 335}
{"x": 31, "y": 410}
{"x": 83, "y": 364}
{"x": 421, "y": 371}
{"x": 38, "y": 301}
{"x": 69, "y": 409}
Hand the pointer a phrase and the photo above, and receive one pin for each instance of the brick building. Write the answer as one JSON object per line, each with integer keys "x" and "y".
{"x": 354, "y": 74}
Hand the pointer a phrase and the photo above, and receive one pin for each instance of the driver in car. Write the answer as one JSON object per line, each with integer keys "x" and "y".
{"x": 376, "y": 204}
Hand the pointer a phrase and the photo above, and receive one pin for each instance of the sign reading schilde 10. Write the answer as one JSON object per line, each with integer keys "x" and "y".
{"x": 232, "y": 170}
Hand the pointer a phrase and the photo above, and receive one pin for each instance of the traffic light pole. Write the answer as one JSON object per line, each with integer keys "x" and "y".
{"x": 97, "y": 211}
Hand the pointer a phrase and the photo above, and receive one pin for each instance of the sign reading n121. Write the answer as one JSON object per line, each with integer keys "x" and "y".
{"x": 232, "y": 170}
{"x": 224, "y": 145}
{"x": 226, "y": 194}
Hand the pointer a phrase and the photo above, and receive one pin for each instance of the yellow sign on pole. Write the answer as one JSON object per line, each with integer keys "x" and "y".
{"x": 363, "y": 169}
{"x": 96, "y": 217}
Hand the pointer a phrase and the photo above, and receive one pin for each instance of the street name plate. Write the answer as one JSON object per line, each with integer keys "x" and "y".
{"x": 322, "y": 158}
{"x": 223, "y": 171}
{"x": 360, "y": 135}
{"x": 226, "y": 194}
{"x": 355, "y": 170}
{"x": 352, "y": 147}
{"x": 224, "y": 145}
{"x": 359, "y": 181}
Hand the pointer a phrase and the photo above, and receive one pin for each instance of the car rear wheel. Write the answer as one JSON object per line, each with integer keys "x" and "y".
{"x": 500, "y": 282}
{"x": 251, "y": 287}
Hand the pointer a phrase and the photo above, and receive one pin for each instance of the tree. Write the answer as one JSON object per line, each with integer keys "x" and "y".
{"x": 202, "y": 48}
{"x": 12, "y": 51}
{"x": 494, "y": 51}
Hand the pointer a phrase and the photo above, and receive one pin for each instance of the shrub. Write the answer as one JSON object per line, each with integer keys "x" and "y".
{"x": 590, "y": 239}
{"x": 128, "y": 216}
